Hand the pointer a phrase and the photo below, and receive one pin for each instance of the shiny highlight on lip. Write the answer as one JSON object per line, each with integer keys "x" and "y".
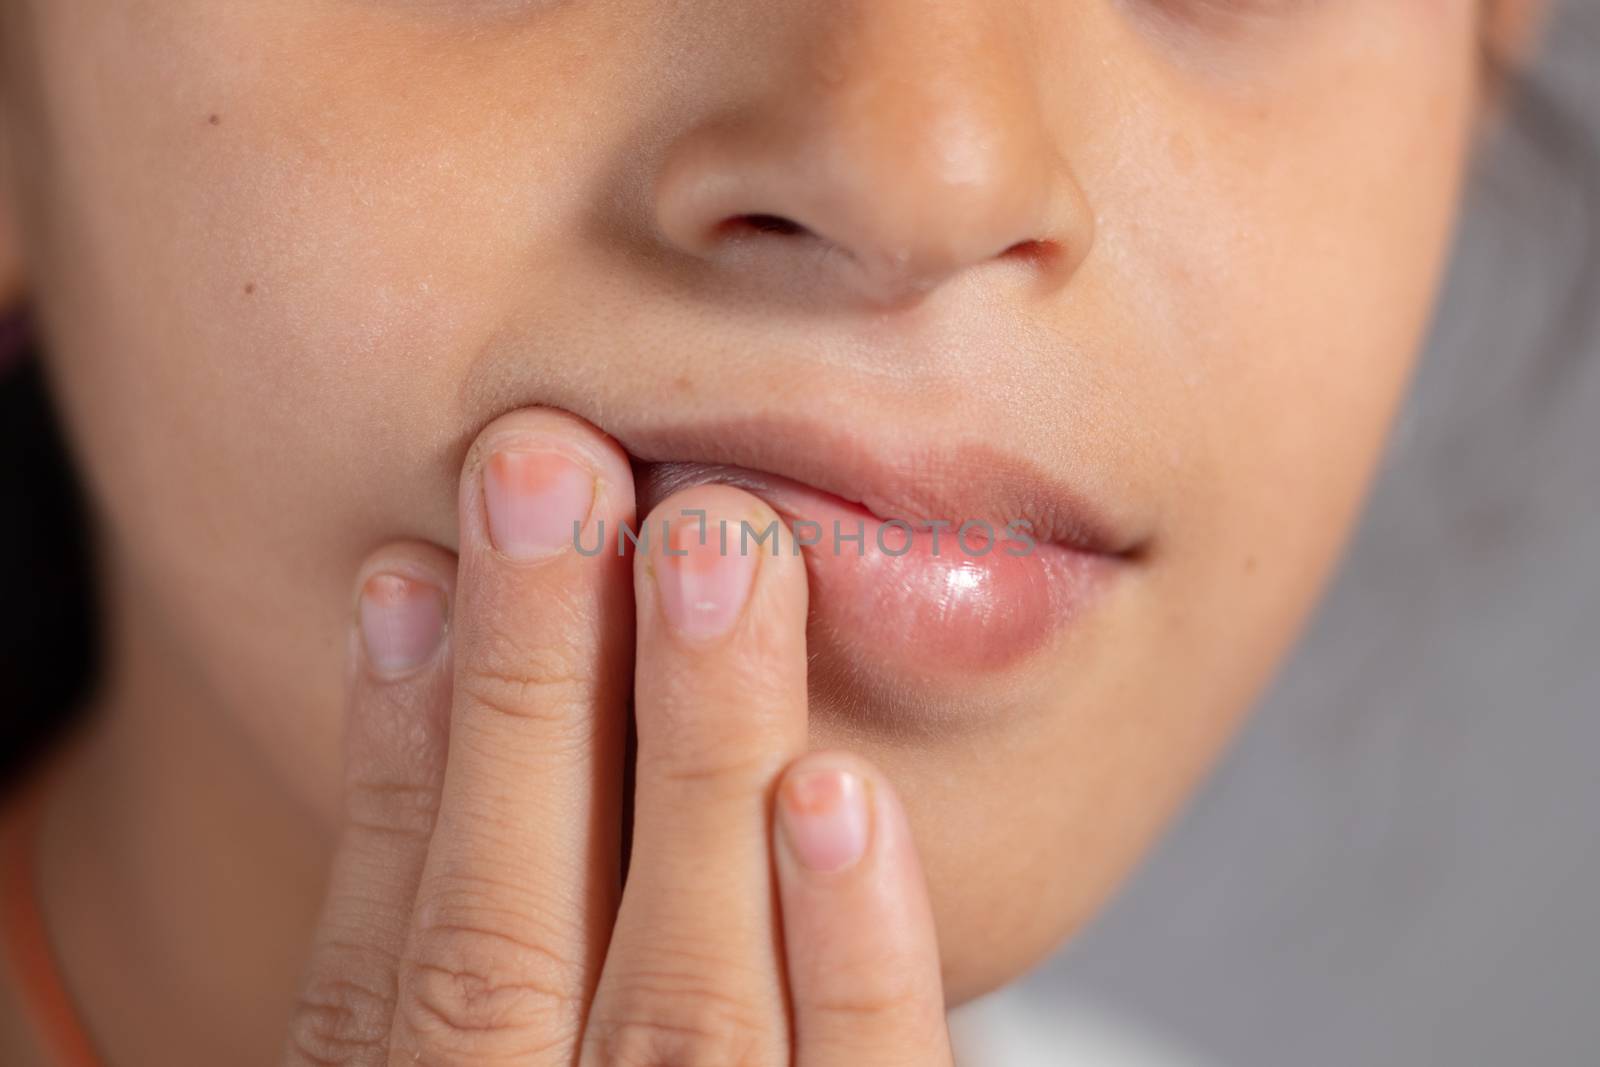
{"x": 896, "y": 598}
{"x": 934, "y": 612}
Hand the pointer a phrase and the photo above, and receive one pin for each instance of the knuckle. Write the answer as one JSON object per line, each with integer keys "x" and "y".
{"x": 697, "y": 757}
{"x": 684, "y": 1040}
{"x": 666, "y": 1018}
{"x": 396, "y": 808}
{"x": 511, "y": 678}
{"x": 883, "y": 998}
{"x": 340, "y": 1021}
{"x": 684, "y": 745}
{"x": 685, "y": 721}
{"x": 473, "y": 992}
{"x": 725, "y": 770}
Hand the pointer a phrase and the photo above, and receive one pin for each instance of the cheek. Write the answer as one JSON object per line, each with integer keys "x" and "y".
{"x": 1276, "y": 311}
{"x": 271, "y": 261}
{"x": 1287, "y": 248}
{"x": 248, "y": 302}
{"x": 284, "y": 266}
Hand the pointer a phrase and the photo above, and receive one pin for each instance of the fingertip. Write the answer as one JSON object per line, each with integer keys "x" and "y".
{"x": 709, "y": 552}
{"x": 825, "y": 812}
{"x": 837, "y": 817}
{"x": 539, "y": 481}
{"x": 594, "y": 447}
{"x": 403, "y": 594}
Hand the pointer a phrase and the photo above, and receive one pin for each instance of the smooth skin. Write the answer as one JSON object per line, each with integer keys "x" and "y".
{"x": 473, "y": 915}
{"x": 291, "y": 259}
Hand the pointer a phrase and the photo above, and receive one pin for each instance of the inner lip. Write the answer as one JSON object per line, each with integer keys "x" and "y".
{"x": 925, "y": 482}
{"x": 655, "y": 481}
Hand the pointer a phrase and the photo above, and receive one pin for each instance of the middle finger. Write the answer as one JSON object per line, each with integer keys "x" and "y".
{"x": 694, "y": 973}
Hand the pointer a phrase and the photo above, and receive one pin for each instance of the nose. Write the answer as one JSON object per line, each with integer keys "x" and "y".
{"x": 899, "y": 145}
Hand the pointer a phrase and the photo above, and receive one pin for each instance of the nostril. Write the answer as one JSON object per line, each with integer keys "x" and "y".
{"x": 1034, "y": 250}
{"x": 764, "y": 224}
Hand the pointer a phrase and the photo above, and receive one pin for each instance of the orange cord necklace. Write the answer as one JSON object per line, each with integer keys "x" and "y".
{"x": 26, "y": 942}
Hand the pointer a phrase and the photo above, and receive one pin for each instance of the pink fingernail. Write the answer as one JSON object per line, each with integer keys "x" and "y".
{"x": 537, "y": 502}
{"x": 824, "y": 817}
{"x": 402, "y": 621}
{"x": 704, "y": 578}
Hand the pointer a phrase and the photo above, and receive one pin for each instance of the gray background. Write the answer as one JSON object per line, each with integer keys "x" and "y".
{"x": 1398, "y": 861}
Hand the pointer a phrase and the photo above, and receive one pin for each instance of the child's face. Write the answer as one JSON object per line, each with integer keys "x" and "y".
{"x": 290, "y": 257}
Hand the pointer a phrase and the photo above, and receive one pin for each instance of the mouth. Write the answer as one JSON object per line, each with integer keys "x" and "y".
{"x": 929, "y": 562}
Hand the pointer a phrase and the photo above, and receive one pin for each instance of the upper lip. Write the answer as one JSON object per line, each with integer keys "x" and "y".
{"x": 918, "y": 483}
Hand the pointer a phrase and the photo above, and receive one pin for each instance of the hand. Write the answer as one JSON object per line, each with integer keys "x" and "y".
{"x": 774, "y": 912}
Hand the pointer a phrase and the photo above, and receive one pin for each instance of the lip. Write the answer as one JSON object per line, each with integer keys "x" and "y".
{"x": 913, "y": 481}
{"x": 916, "y": 599}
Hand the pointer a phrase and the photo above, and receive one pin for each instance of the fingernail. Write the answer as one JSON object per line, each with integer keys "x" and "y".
{"x": 704, "y": 574}
{"x": 402, "y": 621}
{"x": 537, "y": 502}
{"x": 824, "y": 815}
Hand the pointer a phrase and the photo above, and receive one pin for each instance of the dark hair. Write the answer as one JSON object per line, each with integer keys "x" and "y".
{"x": 50, "y": 640}
{"x": 49, "y": 629}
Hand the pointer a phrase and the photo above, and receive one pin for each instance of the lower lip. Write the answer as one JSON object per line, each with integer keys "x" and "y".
{"x": 937, "y": 604}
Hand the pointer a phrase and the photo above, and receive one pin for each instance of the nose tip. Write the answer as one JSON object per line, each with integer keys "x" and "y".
{"x": 880, "y": 185}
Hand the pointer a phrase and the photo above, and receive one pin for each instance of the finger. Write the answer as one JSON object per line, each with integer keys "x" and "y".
{"x": 398, "y": 698}
{"x": 521, "y": 880}
{"x": 858, "y": 932}
{"x": 694, "y": 974}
